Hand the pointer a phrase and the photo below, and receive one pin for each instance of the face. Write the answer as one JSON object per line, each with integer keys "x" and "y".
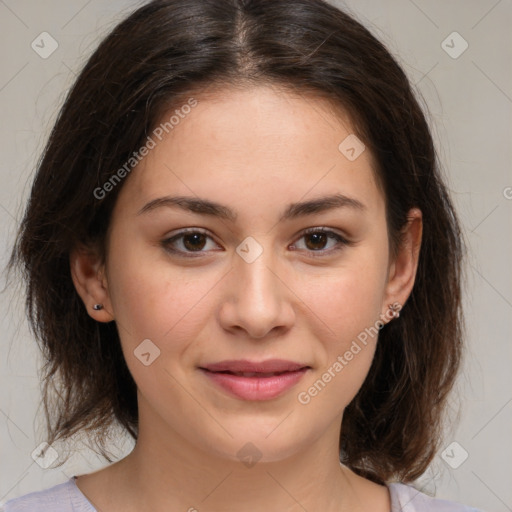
{"x": 245, "y": 281}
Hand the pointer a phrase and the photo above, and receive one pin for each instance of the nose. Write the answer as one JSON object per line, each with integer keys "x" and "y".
{"x": 258, "y": 299}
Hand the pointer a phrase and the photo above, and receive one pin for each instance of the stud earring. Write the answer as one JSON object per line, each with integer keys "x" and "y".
{"x": 395, "y": 308}
{"x": 97, "y": 307}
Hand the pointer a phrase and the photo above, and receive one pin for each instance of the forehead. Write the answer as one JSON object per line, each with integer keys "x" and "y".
{"x": 259, "y": 142}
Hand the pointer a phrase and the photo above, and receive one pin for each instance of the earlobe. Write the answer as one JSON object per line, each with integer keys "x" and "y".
{"x": 403, "y": 269}
{"x": 87, "y": 273}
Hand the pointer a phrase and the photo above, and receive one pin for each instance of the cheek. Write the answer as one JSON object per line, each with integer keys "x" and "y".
{"x": 170, "y": 307}
{"x": 157, "y": 300}
{"x": 348, "y": 299}
{"x": 347, "y": 305}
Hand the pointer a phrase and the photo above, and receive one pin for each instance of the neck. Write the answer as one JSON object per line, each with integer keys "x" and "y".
{"x": 167, "y": 472}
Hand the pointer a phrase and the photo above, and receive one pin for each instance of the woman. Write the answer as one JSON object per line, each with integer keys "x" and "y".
{"x": 239, "y": 248}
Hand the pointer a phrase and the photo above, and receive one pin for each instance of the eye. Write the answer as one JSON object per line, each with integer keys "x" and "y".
{"x": 194, "y": 240}
{"x": 191, "y": 241}
{"x": 318, "y": 237}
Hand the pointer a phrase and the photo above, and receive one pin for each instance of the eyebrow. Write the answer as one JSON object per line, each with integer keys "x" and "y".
{"x": 293, "y": 210}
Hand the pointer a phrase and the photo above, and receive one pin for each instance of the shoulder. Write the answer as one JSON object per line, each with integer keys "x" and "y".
{"x": 59, "y": 498}
{"x": 405, "y": 498}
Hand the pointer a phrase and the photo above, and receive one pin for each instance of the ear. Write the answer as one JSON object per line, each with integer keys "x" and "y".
{"x": 88, "y": 274}
{"x": 402, "y": 270}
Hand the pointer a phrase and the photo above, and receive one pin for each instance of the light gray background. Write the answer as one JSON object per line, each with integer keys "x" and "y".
{"x": 470, "y": 104}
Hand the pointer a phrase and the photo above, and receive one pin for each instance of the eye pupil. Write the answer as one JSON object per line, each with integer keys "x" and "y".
{"x": 193, "y": 241}
{"x": 318, "y": 238}
{"x": 197, "y": 237}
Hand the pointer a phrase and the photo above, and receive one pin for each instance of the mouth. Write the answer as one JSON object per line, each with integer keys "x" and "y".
{"x": 250, "y": 374}
{"x": 270, "y": 366}
{"x": 255, "y": 380}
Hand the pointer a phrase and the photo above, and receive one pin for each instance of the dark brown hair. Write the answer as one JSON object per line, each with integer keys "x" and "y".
{"x": 150, "y": 61}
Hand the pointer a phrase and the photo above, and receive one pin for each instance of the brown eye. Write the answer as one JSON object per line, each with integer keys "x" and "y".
{"x": 187, "y": 242}
{"x": 317, "y": 241}
{"x": 318, "y": 238}
{"x": 194, "y": 242}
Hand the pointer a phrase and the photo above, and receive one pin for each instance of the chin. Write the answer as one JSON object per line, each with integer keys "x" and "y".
{"x": 273, "y": 442}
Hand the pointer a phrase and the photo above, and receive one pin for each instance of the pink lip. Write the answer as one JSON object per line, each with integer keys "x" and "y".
{"x": 255, "y": 387}
{"x": 243, "y": 365}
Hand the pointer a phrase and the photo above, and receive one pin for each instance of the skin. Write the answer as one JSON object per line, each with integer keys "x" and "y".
{"x": 256, "y": 151}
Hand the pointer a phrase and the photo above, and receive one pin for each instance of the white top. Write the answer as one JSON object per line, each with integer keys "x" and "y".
{"x": 67, "y": 497}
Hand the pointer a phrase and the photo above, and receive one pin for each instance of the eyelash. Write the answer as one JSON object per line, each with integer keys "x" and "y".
{"x": 342, "y": 242}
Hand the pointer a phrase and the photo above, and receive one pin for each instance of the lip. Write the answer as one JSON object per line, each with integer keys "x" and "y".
{"x": 243, "y": 365}
{"x": 253, "y": 386}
